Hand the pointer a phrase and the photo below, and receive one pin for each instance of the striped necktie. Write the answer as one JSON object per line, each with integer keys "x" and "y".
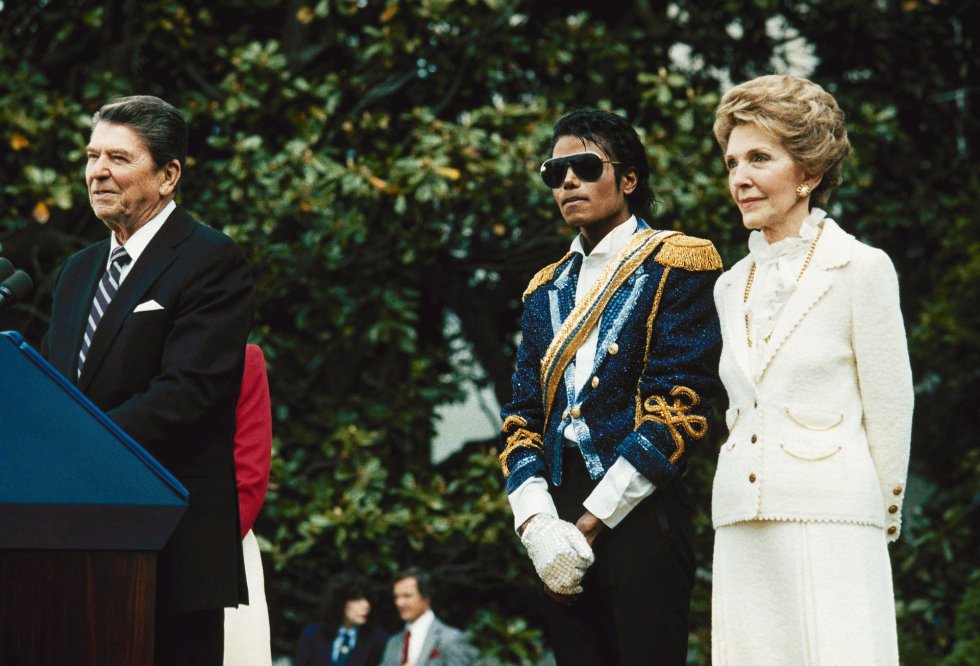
{"x": 108, "y": 286}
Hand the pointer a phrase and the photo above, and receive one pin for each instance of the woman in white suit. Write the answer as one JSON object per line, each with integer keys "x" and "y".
{"x": 810, "y": 482}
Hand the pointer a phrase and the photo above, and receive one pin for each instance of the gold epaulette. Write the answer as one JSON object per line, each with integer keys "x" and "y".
{"x": 690, "y": 253}
{"x": 544, "y": 276}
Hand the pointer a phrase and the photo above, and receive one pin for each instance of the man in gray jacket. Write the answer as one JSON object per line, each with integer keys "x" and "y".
{"x": 425, "y": 641}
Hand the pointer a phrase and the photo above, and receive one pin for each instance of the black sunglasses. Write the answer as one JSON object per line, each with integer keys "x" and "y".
{"x": 587, "y": 166}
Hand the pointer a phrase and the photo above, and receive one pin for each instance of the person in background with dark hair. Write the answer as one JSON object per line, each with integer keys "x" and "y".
{"x": 342, "y": 637}
{"x": 151, "y": 324}
{"x": 617, "y": 364}
{"x": 425, "y": 640}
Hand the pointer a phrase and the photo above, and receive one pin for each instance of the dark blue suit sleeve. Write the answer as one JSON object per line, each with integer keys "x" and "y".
{"x": 521, "y": 436}
{"x": 679, "y": 379}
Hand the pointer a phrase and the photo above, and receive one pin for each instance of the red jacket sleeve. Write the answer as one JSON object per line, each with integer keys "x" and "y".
{"x": 253, "y": 438}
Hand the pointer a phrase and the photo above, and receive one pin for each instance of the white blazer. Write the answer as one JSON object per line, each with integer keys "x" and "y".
{"x": 823, "y": 433}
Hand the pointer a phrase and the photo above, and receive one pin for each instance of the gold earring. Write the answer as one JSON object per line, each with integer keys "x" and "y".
{"x": 802, "y": 191}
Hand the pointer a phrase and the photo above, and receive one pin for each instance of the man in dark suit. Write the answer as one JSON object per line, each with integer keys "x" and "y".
{"x": 425, "y": 641}
{"x": 151, "y": 325}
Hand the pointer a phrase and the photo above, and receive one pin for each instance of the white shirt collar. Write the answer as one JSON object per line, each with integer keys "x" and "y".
{"x": 614, "y": 241}
{"x": 139, "y": 240}
{"x": 763, "y": 251}
{"x": 421, "y": 625}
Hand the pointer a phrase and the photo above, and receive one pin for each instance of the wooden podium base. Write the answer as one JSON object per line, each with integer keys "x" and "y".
{"x": 86, "y": 608}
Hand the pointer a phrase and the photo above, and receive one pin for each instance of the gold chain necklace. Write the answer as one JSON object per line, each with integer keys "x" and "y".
{"x": 748, "y": 284}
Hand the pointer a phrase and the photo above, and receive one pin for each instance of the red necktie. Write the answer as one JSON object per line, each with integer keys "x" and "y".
{"x": 408, "y": 637}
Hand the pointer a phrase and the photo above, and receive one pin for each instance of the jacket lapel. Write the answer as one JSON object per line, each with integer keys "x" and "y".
{"x": 733, "y": 290}
{"x": 561, "y": 294}
{"x": 154, "y": 260}
{"x": 833, "y": 251}
{"x": 431, "y": 640}
{"x": 359, "y": 655}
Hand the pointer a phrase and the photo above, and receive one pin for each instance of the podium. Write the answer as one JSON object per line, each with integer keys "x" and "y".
{"x": 83, "y": 511}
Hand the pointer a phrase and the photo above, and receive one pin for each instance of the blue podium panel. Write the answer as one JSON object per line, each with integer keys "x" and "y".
{"x": 70, "y": 479}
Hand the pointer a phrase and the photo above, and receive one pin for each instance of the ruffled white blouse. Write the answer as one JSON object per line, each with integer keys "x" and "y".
{"x": 777, "y": 266}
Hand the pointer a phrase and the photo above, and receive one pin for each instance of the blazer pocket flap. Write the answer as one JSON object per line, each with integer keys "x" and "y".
{"x": 731, "y": 417}
{"x": 814, "y": 419}
{"x": 811, "y": 451}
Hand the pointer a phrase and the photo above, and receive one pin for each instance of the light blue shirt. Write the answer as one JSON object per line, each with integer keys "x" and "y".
{"x": 338, "y": 643}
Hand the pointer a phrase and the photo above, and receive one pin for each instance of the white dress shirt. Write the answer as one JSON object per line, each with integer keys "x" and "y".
{"x": 623, "y": 486}
{"x": 136, "y": 243}
{"x": 418, "y": 630}
{"x": 777, "y": 272}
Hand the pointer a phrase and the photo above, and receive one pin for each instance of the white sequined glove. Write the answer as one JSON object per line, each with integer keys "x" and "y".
{"x": 559, "y": 551}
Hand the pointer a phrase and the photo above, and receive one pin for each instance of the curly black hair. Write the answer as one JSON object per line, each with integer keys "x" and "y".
{"x": 620, "y": 141}
{"x": 342, "y": 588}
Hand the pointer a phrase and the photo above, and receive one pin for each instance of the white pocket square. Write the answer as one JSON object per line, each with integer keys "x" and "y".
{"x": 148, "y": 306}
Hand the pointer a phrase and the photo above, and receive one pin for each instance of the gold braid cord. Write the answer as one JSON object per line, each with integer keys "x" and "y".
{"x": 519, "y": 437}
{"x": 656, "y": 409}
{"x": 586, "y": 315}
{"x": 544, "y": 276}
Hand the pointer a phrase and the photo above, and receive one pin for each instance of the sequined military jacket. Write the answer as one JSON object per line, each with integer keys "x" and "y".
{"x": 655, "y": 368}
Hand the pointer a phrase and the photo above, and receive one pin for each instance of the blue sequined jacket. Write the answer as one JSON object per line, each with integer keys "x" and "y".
{"x": 655, "y": 364}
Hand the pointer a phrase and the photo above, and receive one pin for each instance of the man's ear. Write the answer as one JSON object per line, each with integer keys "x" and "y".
{"x": 171, "y": 176}
{"x": 629, "y": 180}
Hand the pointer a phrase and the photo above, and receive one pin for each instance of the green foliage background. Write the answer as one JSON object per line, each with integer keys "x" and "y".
{"x": 377, "y": 161}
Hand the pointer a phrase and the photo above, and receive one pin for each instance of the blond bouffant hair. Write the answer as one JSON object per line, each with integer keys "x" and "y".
{"x": 804, "y": 116}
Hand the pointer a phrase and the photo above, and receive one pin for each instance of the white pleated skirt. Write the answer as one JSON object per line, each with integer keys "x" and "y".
{"x": 802, "y": 594}
{"x": 247, "y": 635}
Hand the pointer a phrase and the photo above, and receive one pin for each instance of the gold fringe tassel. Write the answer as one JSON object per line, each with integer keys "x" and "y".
{"x": 689, "y": 253}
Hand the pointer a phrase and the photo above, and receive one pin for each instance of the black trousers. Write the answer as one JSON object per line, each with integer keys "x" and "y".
{"x": 636, "y": 600}
{"x": 194, "y": 638}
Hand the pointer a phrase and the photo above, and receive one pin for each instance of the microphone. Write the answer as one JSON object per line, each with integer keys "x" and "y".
{"x": 15, "y": 287}
{"x": 6, "y": 268}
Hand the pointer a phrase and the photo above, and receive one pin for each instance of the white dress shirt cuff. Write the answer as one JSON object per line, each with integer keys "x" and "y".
{"x": 531, "y": 497}
{"x": 621, "y": 489}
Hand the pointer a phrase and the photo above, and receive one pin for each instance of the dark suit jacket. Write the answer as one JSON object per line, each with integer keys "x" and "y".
{"x": 315, "y": 649}
{"x": 170, "y": 378}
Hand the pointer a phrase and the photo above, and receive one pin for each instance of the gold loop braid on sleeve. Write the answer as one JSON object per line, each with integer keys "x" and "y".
{"x": 672, "y": 415}
{"x": 519, "y": 437}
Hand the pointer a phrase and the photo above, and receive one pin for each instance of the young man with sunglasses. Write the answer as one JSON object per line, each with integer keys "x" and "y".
{"x": 616, "y": 365}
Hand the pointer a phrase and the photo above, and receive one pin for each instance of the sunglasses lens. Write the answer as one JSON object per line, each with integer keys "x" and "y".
{"x": 553, "y": 172}
{"x": 586, "y": 166}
